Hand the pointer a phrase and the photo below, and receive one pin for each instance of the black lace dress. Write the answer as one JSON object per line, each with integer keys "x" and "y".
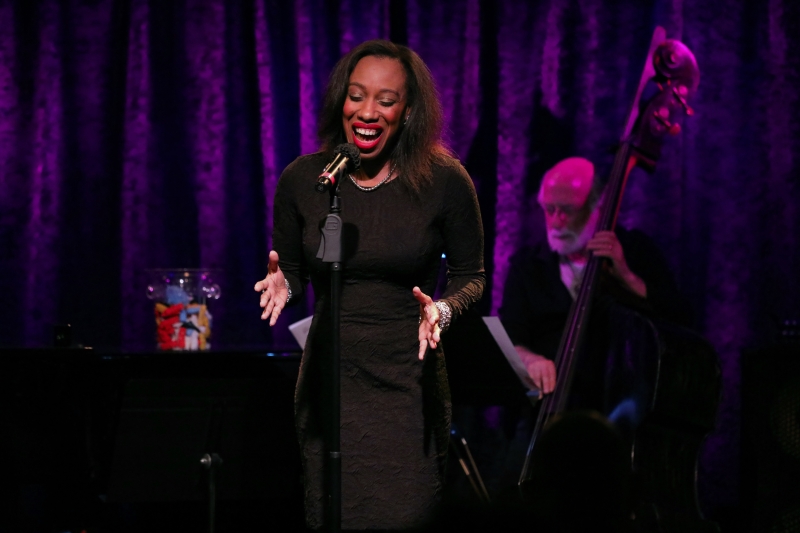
{"x": 395, "y": 409}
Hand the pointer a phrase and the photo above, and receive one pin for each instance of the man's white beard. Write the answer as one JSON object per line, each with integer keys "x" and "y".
{"x": 567, "y": 242}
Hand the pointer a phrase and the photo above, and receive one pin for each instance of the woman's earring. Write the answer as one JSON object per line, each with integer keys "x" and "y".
{"x": 406, "y": 120}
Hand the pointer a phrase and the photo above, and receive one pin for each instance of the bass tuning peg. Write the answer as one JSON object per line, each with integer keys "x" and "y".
{"x": 680, "y": 92}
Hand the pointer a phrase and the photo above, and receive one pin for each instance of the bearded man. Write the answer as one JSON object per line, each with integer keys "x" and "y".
{"x": 544, "y": 280}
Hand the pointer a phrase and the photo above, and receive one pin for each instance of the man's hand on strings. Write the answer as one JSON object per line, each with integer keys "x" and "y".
{"x": 429, "y": 331}
{"x": 605, "y": 244}
{"x": 273, "y": 290}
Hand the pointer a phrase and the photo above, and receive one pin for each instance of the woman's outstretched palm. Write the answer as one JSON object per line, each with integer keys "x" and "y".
{"x": 273, "y": 290}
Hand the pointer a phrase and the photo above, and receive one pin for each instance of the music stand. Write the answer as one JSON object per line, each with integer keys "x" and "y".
{"x": 484, "y": 370}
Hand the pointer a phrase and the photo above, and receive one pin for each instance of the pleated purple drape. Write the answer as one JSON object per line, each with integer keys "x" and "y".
{"x": 140, "y": 134}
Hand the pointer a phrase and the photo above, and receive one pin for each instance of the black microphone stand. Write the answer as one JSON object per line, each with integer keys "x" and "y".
{"x": 330, "y": 251}
{"x": 211, "y": 462}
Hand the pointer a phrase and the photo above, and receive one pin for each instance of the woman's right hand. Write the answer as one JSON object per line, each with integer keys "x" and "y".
{"x": 273, "y": 290}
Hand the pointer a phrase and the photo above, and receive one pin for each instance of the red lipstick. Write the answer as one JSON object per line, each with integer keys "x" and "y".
{"x": 366, "y": 136}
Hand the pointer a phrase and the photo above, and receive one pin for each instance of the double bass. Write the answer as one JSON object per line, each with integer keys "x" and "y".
{"x": 665, "y": 378}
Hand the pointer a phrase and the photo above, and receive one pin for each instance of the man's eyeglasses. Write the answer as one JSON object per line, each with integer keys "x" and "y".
{"x": 567, "y": 210}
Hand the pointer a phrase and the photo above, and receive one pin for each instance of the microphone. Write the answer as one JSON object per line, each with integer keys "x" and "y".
{"x": 347, "y": 158}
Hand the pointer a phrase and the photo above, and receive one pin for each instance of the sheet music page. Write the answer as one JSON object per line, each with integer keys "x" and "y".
{"x": 504, "y": 342}
{"x": 300, "y": 329}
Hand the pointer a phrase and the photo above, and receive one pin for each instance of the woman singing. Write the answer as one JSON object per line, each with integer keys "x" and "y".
{"x": 409, "y": 202}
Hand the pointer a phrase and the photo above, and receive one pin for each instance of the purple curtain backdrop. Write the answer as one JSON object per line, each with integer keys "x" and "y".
{"x": 138, "y": 134}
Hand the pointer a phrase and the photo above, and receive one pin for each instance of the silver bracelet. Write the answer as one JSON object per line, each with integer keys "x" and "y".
{"x": 288, "y": 288}
{"x": 445, "y": 314}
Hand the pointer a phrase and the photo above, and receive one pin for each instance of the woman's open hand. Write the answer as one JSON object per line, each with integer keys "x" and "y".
{"x": 273, "y": 290}
{"x": 429, "y": 331}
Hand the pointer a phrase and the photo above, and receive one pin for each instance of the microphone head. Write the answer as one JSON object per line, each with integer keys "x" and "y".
{"x": 352, "y": 153}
